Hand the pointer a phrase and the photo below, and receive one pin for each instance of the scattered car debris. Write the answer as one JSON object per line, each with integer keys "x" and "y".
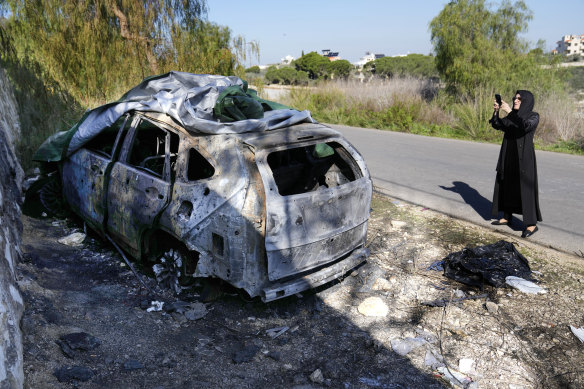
{"x": 465, "y": 365}
{"x": 74, "y": 240}
{"x": 81, "y": 341}
{"x": 275, "y": 332}
{"x": 436, "y": 266}
{"x": 578, "y": 332}
{"x": 155, "y": 306}
{"x": 73, "y": 373}
{"x": 524, "y": 285}
{"x": 489, "y": 264}
{"x": 404, "y": 346}
{"x": 454, "y": 377}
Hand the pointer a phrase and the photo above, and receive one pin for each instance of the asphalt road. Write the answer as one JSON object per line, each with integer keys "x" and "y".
{"x": 457, "y": 178}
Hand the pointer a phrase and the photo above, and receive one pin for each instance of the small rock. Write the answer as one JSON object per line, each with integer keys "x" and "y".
{"x": 179, "y": 318}
{"x": 246, "y": 354}
{"x": 80, "y": 341}
{"x": 398, "y": 224}
{"x": 197, "y": 311}
{"x": 133, "y": 364}
{"x": 74, "y": 240}
{"x": 459, "y": 293}
{"x": 492, "y": 307}
{"x": 275, "y": 355}
{"x": 382, "y": 284}
{"x": 465, "y": 365}
{"x": 73, "y": 373}
{"x": 317, "y": 377}
{"x": 373, "y": 306}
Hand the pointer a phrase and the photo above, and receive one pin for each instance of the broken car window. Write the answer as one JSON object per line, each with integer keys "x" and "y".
{"x": 305, "y": 169}
{"x": 150, "y": 147}
{"x": 104, "y": 142}
{"x": 199, "y": 168}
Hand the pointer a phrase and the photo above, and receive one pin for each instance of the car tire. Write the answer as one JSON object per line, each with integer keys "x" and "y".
{"x": 51, "y": 197}
{"x": 170, "y": 270}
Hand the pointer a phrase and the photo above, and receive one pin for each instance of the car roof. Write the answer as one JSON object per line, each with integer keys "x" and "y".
{"x": 260, "y": 140}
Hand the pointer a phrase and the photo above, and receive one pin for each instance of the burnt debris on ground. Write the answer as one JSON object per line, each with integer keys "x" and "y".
{"x": 372, "y": 329}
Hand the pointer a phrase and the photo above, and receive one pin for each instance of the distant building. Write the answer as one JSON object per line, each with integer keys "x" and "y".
{"x": 331, "y": 55}
{"x": 367, "y": 58}
{"x": 287, "y": 60}
{"x": 571, "y": 45}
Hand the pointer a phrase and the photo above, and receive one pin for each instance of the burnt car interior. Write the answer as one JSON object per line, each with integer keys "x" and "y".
{"x": 305, "y": 169}
{"x": 104, "y": 142}
{"x": 149, "y": 149}
{"x": 198, "y": 167}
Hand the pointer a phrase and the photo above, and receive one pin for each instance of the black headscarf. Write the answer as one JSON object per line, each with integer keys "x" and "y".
{"x": 527, "y": 103}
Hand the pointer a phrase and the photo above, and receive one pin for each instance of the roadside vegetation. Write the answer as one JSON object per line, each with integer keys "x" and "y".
{"x": 450, "y": 95}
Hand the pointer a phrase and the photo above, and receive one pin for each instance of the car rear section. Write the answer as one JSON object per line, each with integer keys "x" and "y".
{"x": 318, "y": 197}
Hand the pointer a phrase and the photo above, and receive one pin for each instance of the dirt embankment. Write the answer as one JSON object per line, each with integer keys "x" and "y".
{"x": 381, "y": 327}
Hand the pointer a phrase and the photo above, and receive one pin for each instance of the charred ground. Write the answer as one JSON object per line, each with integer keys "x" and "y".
{"x": 326, "y": 337}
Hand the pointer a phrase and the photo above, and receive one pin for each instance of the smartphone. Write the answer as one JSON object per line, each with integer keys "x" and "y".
{"x": 498, "y": 99}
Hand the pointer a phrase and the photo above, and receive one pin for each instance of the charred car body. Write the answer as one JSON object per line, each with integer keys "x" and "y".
{"x": 273, "y": 212}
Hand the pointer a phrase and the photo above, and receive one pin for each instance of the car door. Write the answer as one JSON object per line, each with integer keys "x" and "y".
{"x": 140, "y": 182}
{"x": 85, "y": 173}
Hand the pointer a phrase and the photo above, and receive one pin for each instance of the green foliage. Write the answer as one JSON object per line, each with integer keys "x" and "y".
{"x": 286, "y": 75}
{"x": 414, "y": 65}
{"x": 576, "y": 77}
{"x": 472, "y": 116}
{"x": 253, "y": 69}
{"x": 314, "y": 64}
{"x": 340, "y": 69}
{"x": 65, "y": 56}
{"x": 99, "y": 49}
{"x": 477, "y": 47}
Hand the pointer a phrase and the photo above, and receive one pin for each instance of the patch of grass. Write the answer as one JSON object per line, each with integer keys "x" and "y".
{"x": 418, "y": 107}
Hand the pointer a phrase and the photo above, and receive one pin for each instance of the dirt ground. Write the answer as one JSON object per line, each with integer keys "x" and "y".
{"x": 87, "y": 325}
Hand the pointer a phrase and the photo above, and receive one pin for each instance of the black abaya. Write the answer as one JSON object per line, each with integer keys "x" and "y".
{"x": 516, "y": 188}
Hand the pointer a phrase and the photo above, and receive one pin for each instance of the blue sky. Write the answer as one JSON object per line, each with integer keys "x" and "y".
{"x": 354, "y": 27}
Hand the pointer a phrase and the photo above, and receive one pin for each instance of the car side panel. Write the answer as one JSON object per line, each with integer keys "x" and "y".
{"x": 134, "y": 201}
{"x": 84, "y": 185}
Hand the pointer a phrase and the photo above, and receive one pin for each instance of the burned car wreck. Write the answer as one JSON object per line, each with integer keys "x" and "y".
{"x": 273, "y": 204}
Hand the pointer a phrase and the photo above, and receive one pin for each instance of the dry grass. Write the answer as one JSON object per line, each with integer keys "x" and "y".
{"x": 559, "y": 120}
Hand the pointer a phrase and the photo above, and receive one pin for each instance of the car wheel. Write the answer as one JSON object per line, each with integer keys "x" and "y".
{"x": 51, "y": 197}
{"x": 170, "y": 270}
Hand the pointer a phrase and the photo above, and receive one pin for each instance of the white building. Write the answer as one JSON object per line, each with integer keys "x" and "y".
{"x": 367, "y": 58}
{"x": 287, "y": 60}
{"x": 571, "y": 45}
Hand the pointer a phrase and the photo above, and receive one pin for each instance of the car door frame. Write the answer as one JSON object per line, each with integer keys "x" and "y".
{"x": 135, "y": 197}
{"x": 85, "y": 188}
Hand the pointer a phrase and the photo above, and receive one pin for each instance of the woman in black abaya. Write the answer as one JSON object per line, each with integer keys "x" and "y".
{"x": 516, "y": 184}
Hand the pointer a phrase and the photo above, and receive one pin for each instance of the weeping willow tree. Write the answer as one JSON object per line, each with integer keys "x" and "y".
{"x": 98, "y": 49}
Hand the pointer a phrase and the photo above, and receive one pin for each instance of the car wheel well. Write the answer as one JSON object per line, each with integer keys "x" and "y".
{"x": 158, "y": 242}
